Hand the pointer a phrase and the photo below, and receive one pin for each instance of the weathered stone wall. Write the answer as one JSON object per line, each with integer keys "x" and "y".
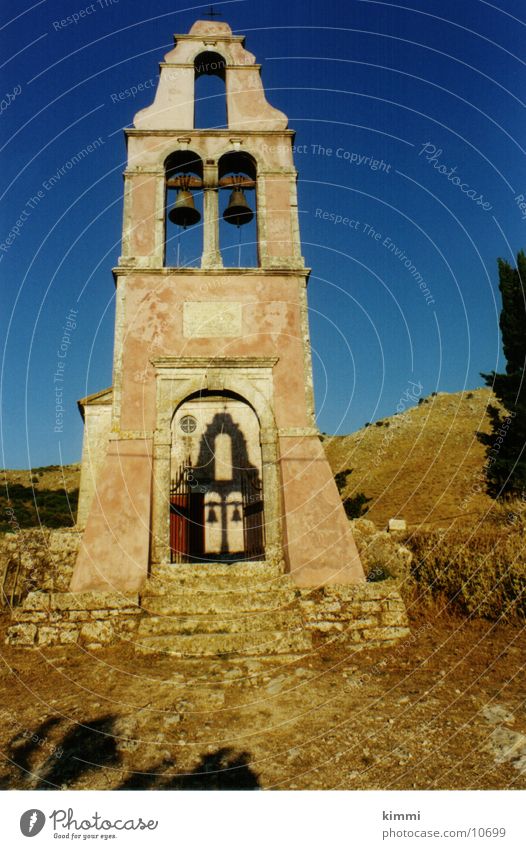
{"x": 372, "y": 614}
{"x": 90, "y": 619}
{"x": 368, "y": 614}
{"x": 42, "y": 557}
{"x": 383, "y": 554}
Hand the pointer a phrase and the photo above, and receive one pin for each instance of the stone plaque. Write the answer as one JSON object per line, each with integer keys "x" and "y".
{"x": 202, "y": 319}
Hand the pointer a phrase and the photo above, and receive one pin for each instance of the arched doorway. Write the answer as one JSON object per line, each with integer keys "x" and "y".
{"x": 216, "y": 490}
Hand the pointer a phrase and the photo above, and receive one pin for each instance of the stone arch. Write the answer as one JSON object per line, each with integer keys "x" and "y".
{"x": 209, "y": 62}
{"x": 242, "y": 388}
{"x": 210, "y": 95}
{"x": 186, "y": 166}
{"x": 216, "y": 471}
{"x": 239, "y": 387}
{"x": 240, "y": 164}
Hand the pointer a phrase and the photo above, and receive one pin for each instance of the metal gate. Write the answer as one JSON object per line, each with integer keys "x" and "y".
{"x": 253, "y": 515}
{"x": 186, "y": 518}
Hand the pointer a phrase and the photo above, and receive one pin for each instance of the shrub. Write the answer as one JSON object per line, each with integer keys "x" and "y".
{"x": 483, "y": 574}
{"x": 52, "y": 508}
{"x": 354, "y": 505}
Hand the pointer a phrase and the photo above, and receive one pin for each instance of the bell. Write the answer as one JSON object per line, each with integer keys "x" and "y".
{"x": 238, "y": 211}
{"x": 183, "y": 212}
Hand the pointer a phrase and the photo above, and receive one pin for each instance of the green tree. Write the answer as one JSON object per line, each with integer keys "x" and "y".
{"x": 506, "y": 444}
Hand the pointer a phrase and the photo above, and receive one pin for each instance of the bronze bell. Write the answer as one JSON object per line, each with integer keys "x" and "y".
{"x": 183, "y": 212}
{"x": 238, "y": 211}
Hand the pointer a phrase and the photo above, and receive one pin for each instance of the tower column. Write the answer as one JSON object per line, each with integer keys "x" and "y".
{"x": 211, "y": 253}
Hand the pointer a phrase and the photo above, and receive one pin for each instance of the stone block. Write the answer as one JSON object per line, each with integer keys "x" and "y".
{"x": 355, "y": 624}
{"x": 392, "y": 617}
{"x": 370, "y": 606}
{"x": 22, "y": 635}
{"x": 68, "y": 634}
{"x": 92, "y": 601}
{"x": 127, "y": 626}
{"x": 57, "y": 616}
{"x": 97, "y": 633}
{"x": 21, "y": 615}
{"x": 388, "y": 633}
{"x": 331, "y": 606}
{"x": 78, "y": 615}
{"x": 37, "y": 601}
{"x": 327, "y": 627}
{"x": 48, "y": 636}
{"x": 397, "y": 525}
{"x": 379, "y": 590}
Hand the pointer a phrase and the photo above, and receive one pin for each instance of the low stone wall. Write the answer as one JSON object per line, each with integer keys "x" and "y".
{"x": 90, "y": 619}
{"x": 367, "y": 614}
{"x": 41, "y": 559}
{"x": 372, "y": 614}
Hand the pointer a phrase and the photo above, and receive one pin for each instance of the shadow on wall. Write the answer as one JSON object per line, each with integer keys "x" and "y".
{"x": 47, "y": 759}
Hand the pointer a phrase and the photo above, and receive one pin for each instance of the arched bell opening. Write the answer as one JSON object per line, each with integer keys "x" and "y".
{"x": 184, "y": 210}
{"x": 216, "y": 489}
{"x": 210, "y": 109}
{"x": 238, "y": 239}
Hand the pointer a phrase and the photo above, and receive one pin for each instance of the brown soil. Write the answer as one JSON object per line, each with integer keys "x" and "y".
{"x": 442, "y": 710}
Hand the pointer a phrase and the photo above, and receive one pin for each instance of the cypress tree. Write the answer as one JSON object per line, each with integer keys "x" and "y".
{"x": 506, "y": 444}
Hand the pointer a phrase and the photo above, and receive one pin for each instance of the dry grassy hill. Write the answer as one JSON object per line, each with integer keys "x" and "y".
{"x": 44, "y": 496}
{"x": 424, "y": 466}
{"x": 44, "y": 477}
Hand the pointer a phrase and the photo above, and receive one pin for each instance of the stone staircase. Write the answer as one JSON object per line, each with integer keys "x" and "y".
{"x": 230, "y": 609}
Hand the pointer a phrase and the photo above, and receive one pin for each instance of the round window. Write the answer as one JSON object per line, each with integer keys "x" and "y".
{"x": 188, "y": 424}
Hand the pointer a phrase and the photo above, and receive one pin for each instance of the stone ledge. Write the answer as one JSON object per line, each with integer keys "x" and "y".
{"x": 371, "y": 614}
{"x": 92, "y": 619}
{"x": 365, "y": 614}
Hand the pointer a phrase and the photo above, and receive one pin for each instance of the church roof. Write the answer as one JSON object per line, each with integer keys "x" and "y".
{"x": 105, "y": 396}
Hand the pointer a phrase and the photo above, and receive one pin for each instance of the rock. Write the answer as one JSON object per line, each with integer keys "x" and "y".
{"x": 508, "y": 746}
{"x": 68, "y": 634}
{"x": 396, "y": 525}
{"x": 48, "y": 636}
{"x": 381, "y": 554}
{"x": 497, "y": 714}
{"x": 277, "y": 685}
{"x": 21, "y": 635}
{"x": 96, "y": 633}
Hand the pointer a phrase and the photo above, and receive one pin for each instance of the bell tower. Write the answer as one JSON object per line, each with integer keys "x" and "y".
{"x": 211, "y": 452}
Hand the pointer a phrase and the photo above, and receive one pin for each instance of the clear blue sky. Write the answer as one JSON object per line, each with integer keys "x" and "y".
{"x": 368, "y": 81}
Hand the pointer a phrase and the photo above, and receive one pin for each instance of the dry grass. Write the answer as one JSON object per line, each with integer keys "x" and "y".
{"x": 425, "y": 466}
{"x": 482, "y": 574}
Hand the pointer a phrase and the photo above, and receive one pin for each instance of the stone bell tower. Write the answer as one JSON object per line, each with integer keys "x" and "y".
{"x": 206, "y": 449}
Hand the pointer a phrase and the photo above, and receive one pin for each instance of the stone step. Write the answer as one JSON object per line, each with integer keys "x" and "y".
{"x": 237, "y": 623}
{"x": 213, "y": 577}
{"x": 244, "y": 568}
{"x": 209, "y": 645}
{"x": 191, "y": 603}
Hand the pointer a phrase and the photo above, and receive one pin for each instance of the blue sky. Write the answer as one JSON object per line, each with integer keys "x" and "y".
{"x": 409, "y": 124}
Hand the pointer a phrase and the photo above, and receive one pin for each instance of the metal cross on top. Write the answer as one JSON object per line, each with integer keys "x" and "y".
{"x": 212, "y": 13}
